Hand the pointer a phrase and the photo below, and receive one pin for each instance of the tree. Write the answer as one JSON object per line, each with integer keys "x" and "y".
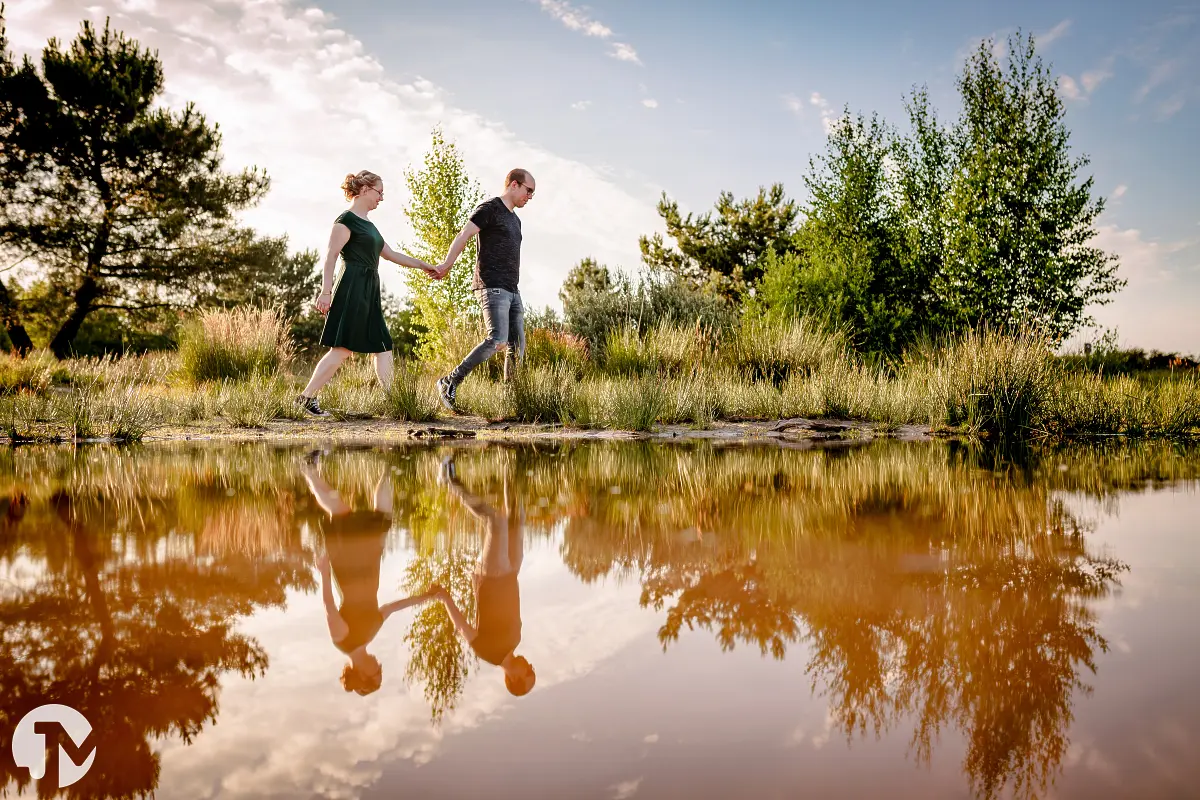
{"x": 443, "y": 197}
{"x": 853, "y": 265}
{"x": 8, "y": 172}
{"x": 121, "y": 205}
{"x": 723, "y": 252}
{"x": 1018, "y": 217}
{"x": 587, "y": 276}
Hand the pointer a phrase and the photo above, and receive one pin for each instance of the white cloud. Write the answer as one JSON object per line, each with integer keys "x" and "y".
{"x": 1088, "y": 82}
{"x": 574, "y": 18}
{"x": 1048, "y": 38}
{"x": 650, "y": 102}
{"x": 1161, "y": 73}
{"x": 577, "y": 19}
{"x": 828, "y": 116}
{"x": 1093, "y": 78}
{"x": 1069, "y": 87}
{"x": 1142, "y": 261}
{"x": 1119, "y": 191}
{"x": 793, "y": 103}
{"x": 623, "y": 52}
{"x": 306, "y": 101}
{"x": 582, "y": 105}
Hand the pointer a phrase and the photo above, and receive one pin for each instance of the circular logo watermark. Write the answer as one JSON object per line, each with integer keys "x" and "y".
{"x": 29, "y": 742}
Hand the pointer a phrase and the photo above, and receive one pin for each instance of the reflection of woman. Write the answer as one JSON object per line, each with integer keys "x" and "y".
{"x": 354, "y": 542}
{"x": 497, "y": 629}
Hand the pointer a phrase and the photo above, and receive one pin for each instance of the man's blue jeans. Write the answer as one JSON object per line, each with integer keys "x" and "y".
{"x": 504, "y": 317}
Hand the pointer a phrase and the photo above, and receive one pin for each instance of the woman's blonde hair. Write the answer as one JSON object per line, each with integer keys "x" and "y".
{"x": 354, "y": 184}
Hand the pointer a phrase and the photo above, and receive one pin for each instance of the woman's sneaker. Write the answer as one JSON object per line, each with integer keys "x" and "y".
{"x": 446, "y": 393}
{"x": 311, "y": 405}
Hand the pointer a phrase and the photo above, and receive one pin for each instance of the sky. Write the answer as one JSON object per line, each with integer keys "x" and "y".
{"x": 613, "y": 103}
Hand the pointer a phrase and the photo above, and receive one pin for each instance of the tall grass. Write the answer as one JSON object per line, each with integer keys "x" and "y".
{"x": 411, "y": 397}
{"x": 990, "y": 382}
{"x": 234, "y": 344}
{"x": 775, "y": 350}
{"x": 544, "y": 394}
{"x": 663, "y": 350}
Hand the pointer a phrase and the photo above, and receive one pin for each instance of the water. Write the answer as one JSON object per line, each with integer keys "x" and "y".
{"x": 891, "y": 619}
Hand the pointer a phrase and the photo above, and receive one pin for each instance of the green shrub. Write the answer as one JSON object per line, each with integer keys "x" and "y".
{"x": 412, "y": 396}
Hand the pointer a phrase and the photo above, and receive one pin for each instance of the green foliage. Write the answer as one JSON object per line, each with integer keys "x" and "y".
{"x": 723, "y": 252}
{"x": 593, "y": 312}
{"x": 234, "y": 344}
{"x": 1018, "y": 219}
{"x": 984, "y": 222}
{"x": 120, "y": 202}
{"x": 443, "y": 197}
{"x": 851, "y": 241}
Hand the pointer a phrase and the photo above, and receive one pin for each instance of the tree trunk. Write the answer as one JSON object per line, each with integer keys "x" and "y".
{"x": 85, "y": 295}
{"x": 12, "y": 322}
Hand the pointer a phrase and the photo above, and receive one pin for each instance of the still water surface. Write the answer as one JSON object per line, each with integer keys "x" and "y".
{"x": 618, "y": 620}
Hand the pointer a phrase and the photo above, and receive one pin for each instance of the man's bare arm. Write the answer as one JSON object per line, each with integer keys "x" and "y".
{"x": 457, "y": 246}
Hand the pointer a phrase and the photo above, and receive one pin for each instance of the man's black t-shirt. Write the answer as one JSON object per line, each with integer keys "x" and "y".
{"x": 498, "y": 265}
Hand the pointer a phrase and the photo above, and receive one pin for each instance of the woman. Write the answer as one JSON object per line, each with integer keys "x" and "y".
{"x": 353, "y": 311}
{"x": 354, "y": 544}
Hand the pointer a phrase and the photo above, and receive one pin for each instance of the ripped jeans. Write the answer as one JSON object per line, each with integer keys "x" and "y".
{"x": 504, "y": 316}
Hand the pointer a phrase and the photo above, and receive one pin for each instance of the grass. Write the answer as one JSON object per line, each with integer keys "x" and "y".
{"x": 234, "y": 344}
{"x": 236, "y": 369}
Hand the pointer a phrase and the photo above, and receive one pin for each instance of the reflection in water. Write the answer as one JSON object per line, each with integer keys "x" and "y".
{"x": 497, "y": 630}
{"x": 130, "y": 618}
{"x": 933, "y": 591}
{"x": 354, "y": 543}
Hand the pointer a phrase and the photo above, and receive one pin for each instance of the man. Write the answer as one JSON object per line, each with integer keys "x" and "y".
{"x": 497, "y": 272}
{"x": 497, "y": 629}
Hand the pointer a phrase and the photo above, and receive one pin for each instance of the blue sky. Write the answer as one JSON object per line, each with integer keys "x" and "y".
{"x": 611, "y": 103}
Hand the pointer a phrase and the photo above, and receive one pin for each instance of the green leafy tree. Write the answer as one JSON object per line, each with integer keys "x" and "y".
{"x": 723, "y": 252}
{"x": 443, "y": 197}
{"x": 119, "y": 203}
{"x": 854, "y": 268}
{"x": 1019, "y": 218}
{"x": 9, "y": 164}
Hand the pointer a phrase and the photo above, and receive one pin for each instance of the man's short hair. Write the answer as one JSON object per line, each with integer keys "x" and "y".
{"x": 518, "y": 175}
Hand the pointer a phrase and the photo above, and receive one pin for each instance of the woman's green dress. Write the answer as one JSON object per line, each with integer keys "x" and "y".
{"x": 355, "y": 319}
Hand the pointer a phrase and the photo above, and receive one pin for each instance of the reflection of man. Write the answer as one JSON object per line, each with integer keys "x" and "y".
{"x": 497, "y": 594}
{"x": 354, "y": 543}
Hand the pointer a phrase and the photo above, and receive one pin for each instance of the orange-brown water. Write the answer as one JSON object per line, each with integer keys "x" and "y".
{"x": 881, "y": 620}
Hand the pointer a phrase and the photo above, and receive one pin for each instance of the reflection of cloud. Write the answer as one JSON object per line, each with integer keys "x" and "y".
{"x": 651, "y": 739}
{"x": 650, "y": 102}
{"x": 626, "y": 789}
{"x": 284, "y": 83}
{"x": 582, "y": 105}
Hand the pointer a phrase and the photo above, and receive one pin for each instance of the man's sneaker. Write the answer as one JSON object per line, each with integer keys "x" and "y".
{"x": 446, "y": 392}
{"x": 311, "y": 405}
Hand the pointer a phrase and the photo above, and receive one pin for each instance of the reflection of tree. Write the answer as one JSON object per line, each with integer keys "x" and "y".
{"x": 438, "y": 659}
{"x": 927, "y": 589}
{"x": 136, "y": 642}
